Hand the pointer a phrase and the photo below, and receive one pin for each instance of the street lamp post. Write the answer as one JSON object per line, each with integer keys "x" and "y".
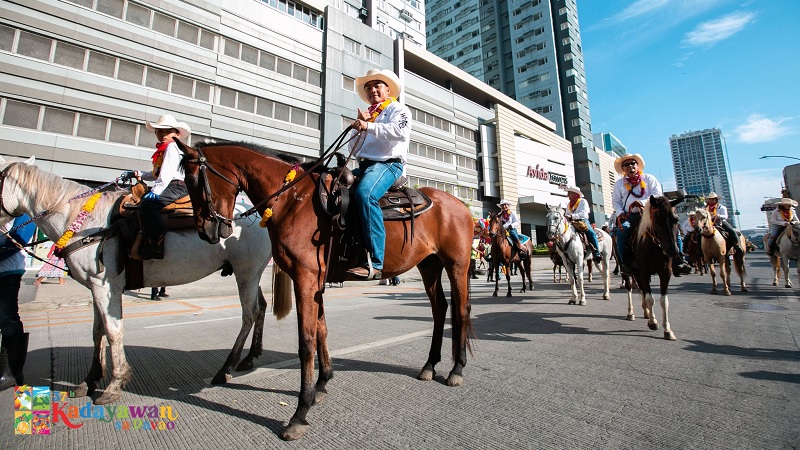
{"x": 779, "y": 156}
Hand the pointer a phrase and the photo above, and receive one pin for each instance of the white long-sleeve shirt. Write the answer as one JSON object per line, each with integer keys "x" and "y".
{"x": 621, "y": 200}
{"x": 509, "y": 222}
{"x": 776, "y": 218}
{"x": 170, "y": 169}
{"x": 388, "y": 136}
{"x": 687, "y": 226}
{"x": 581, "y": 211}
{"x": 721, "y": 211}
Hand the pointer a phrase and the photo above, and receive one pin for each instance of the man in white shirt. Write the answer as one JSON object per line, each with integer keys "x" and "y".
{"x": 578, "y": 210}
{"x": 719, "y": 213}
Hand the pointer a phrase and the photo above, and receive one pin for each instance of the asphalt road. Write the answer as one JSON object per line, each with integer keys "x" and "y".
{"x": 543, "y": 374}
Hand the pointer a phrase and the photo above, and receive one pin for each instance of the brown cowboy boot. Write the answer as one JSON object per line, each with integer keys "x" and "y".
{"x": 152, "y": 247}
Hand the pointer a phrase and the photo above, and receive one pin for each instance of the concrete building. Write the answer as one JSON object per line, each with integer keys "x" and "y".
{"x": 700, "y": 162}
{"x": 81, "y": 77}
{"x": 531, "y": 51}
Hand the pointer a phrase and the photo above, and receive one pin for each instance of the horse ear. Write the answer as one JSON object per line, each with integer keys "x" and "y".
{"x": 547, "y": 205}
{"x": 30, "y": 160}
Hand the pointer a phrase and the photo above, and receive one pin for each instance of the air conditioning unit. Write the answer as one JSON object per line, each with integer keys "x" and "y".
{"x": 406, "y": 15}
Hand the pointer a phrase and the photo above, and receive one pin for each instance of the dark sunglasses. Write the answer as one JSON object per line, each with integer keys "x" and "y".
{"x": 628, "y": 164}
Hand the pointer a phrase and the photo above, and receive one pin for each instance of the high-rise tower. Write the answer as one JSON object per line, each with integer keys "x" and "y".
{"x": 700, "y": 162}
{"x": 530, "y": 51}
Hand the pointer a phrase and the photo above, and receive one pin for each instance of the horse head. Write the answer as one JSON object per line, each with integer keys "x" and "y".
{"x": 213, "y": 194}
{"x": 494, "y": 225}
{"x": 553, "y": 220}
{"x": 8, "y": 205}
{"x": 661, "y": 220}
{"x": 703, "y": 222}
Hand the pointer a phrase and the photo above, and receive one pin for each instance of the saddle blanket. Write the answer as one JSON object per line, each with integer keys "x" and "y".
{"x": 522, "y": 239}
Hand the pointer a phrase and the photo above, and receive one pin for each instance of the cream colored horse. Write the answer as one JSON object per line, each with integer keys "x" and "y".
{"x": 788, "y": 248}
{"x": 774, "y": 262}
{"x": 714, "y": 249}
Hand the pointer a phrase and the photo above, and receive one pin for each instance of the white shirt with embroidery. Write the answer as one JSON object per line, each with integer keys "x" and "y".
{"x": 388, "y": 136}
{"x": 581, "y": 211}
{"x": 621, "y": 200}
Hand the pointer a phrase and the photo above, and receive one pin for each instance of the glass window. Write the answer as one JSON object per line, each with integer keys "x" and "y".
{"x": 34, "y": 46}
{"x": 58, "y": 121}
{"x": 92, "y": 127}
{"x": 157, "y": 79}
{"x": 267, "y": 61}
{"x": 101, "y": 64}
{"x": 71, "y": 56}
{"x": 138, "y": 15}
{"x": 130, "y": 72}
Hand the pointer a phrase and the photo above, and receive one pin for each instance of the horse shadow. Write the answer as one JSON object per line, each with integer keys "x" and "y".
{"x": 745, "y": 352}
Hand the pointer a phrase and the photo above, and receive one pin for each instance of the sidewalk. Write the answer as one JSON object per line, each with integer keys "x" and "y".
{"x": 50, "y": 295}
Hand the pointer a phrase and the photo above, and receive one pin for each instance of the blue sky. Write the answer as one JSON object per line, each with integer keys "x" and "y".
{"x": 655, "y": 68}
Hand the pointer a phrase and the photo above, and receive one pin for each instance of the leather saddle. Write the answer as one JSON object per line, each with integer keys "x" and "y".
{"x": 581, "y": 229}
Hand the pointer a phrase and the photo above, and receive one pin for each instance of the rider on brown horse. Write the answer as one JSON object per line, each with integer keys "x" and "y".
{"x": 510, "y": 222}
{"x": 719, "y": 214}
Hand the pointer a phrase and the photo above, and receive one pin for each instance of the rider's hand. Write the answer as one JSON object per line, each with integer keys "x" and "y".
{"x": 128, "y": 174}
{"x": 151, "y": 196}
{"x": 568, "y": 216}
{"x": 626, "y": 224}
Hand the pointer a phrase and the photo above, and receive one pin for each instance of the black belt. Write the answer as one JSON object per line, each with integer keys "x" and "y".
{"x": 393, "y": 160}
{"x": 178, "y": 182}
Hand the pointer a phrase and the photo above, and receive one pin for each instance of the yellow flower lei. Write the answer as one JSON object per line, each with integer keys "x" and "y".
{"x": 287, "y": 179}
{"x": 641, "y": 183}
{"x": 78, "y": 223}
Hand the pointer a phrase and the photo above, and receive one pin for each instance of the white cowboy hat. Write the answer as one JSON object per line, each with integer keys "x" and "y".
{"x": 574, "y": 189}
{"x": 387, "y": 76}
{"x": 712, "y": 195}
{"x": 503, "y": 202}
{"x": 636, "y": 157}
{"x": 786, "y": 202}
{"x": 168, "y": 121}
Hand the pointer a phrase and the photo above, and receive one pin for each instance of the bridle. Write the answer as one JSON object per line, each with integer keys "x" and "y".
{"x": 3, "y": 176}
{"x": 202, "y": 161}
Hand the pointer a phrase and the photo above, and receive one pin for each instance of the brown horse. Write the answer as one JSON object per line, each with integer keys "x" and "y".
{"x": 301, "y": 234}
{"x": 715, "y": 249}
{"x": 694, "y": 253}
{"x": 502, "y": 254}
{"x": 558, "y": 262}
{"x": 654, "y": 246}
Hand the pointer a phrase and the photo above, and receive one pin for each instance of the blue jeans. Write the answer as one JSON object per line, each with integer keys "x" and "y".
{"x": 591, "y": 235}
{"x": 376, "y": 178}
{"x": 679, "y": 240}
{"x": 514, "y": 236}
{"x": 623, "y": 233}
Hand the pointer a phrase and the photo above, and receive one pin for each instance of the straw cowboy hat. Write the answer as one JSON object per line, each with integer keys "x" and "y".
{"x": 636, "y": 157}
{"x": 503, "y": 202}
{"x": 786, "y": 202}
{"x": 168, "y": 121}
{"x": 712, "y": 195}
{"x": 574, "y": 189}
{"x": 385, "y": 75}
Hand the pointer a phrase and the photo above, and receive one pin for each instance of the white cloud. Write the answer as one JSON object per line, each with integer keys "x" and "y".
{"x": 637, "y": 9}
{"x": 759, "y": 128}
{"x": 750, "y": 189}
{"x": 709, "y": 33}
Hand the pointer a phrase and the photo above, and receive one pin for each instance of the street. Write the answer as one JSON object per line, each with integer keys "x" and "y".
{"x": 543, "y": 374}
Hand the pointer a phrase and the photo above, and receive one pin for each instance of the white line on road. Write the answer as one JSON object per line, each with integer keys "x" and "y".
{"x": 189, "y": 323}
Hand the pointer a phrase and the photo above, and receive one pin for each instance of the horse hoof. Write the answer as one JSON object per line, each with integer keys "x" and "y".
{"x": 744, "y": 289}
{"x": 82, "y": 390}
{"x": 788, "y": 285}
{"x": 294, "y": 431}
{"x": 508, "y": 295}
{"x": 221, "y": 378}
{"x": 319, "y": 397}
{"x": 246, "y": 364}
{"x": 455, "y": 380}
{"x": 630, "y": 317}
{"x": 108, "y": 397}
{"x": 652, "y": 326}
{"x": 606, "y": 297}
{"x": 727, "y": 292}
{"x": 582, "y": 303}
{"x": 714, "y": 291}
{"x": 494, "y": 294}
{"x": 426, "y": 375}
{"x": 774, "y": 283}
{"x": 571, "y": 302}
{"x": 669, "y": 335}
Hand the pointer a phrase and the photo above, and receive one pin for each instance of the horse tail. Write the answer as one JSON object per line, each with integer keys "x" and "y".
{"x": 281, "y": 292}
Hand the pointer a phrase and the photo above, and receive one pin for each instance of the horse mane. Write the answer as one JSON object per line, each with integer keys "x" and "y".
{"x": 647, "y": 220}
{"x": 53, "y": 191}
{"x": 261, "y": 150}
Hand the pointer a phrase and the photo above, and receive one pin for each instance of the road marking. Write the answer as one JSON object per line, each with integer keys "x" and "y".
{"x": 189, "y": 323}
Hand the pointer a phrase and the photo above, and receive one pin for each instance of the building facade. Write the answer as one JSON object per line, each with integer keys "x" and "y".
{"x": 700, "y": 162}
{"x": 81, "y": 77}
{"x": 530, "y": 51}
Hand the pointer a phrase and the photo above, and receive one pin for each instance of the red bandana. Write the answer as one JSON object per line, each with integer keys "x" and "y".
{"x": 158, "y": 157}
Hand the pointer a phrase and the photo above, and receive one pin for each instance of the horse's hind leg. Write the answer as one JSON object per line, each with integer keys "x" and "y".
{"x": 97, "y": 370}
{"x": 249, "y": 293}
{"x": 431, "y": 270}
{"x": 459, "y": 293}
{"x": 323, "y": 356}
{"x": 258, "y": 335}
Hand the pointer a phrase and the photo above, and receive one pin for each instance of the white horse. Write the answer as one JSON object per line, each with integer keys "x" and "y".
{"x": 26, "y": 189}
{"x": 789, "y": 248}
{"x": 569, "y": 246}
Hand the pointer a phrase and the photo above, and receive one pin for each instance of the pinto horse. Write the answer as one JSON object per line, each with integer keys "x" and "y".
{"x": 714, "y": 248}
{"x": 502, "y": 254}
{"x": 301, "y": 235}
{"x": 46, "y": 197}
{"x": 654, "y": 247}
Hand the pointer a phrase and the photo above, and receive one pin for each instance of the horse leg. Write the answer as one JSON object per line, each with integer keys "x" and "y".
{"x": 713, "y": 271}
{"x": 248, "y": 298}
{"x": 256, "y": 345}
{"x": 323, "y": 357}
{"x": 605, "y": 271}
{"x": 308, "y": 299}
{"x": 97, "y": 370}
{"x": 786, "y": 272}
{"x": 725, "y": 273}
{"x": 459, "y": 297}
{"x": 431, "y": 271}
{"x": 589, "y": 268}
{"x": 647, "y": 304}
{"x": 554, "y": 273}
{"x": 664, "y": 301}
{"x": 738, "y": 262}
{"x": 528, "y": 268}
{"x": 626, "y": 282}
{"x": 108, "y": 299}
{"x": 581, "y": 293}
{"x": 508, "y": 265}
{"x": 496, "y": 277}
{"x": 573, "y": 284}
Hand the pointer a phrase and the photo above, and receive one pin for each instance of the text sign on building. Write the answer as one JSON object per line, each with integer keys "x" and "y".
{"x": 540, "y": 173}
